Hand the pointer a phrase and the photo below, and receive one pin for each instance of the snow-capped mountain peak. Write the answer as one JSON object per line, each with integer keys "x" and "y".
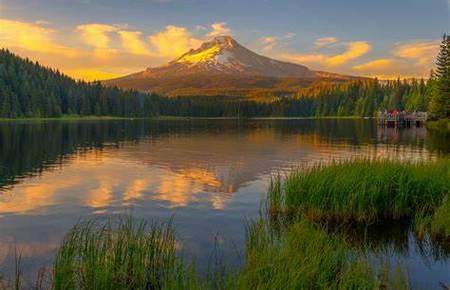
{"x": 224, "y": 54}
{"x": 219, "y": 52}
{"x": 221, "y": 65}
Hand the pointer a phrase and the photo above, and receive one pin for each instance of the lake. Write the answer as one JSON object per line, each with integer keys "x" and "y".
{"x": 209, "y": 176}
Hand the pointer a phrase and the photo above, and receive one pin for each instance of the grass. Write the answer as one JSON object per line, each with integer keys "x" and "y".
{"x": 362, "y": 191}
{"x": 132, "y": 254}
{"x": 437, "y": 224}
{"x": 307, "y": 256}
{"x": 122, "y": 255}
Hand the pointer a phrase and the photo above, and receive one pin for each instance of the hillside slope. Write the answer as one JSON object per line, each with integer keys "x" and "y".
{"x": 224, "y": 67}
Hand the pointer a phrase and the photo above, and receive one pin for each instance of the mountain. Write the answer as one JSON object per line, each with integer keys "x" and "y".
{"x": 224, "y": 67}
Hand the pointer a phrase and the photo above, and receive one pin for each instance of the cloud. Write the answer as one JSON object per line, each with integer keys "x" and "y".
{"x": 174, "y": 41}
{"x": 219, "y": 28}
{"x": 375, "y": 65}
{"x": 32, "y": 37}
{"x": 354, "y": 50}
{"x": 411, "y": 59}
{"x": 97, "y": 35}
{"x": 305, "y": 58}
{"x": 91, "y": 74}
{"x": 268, "y": 42}
{"x": 386, "y": 68}
{"x": 324, "y": 41}
{"x": 422, "y": 52}
{"x": 132, "y": 42}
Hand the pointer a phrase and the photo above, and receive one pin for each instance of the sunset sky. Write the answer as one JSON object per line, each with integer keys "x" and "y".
{"x": 100, "y": 39}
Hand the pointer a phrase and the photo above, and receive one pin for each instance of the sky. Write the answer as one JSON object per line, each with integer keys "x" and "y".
{"x": 101, "y": 39}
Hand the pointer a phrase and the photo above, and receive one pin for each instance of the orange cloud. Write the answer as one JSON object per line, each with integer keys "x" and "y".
{"x": 423, "y": 52}
{"x": 32, "y": 37}
{"x": 132, "y": 42}
{"x": 174, "y": 41}
{"x": 305, "y": 58}
{"x": 354, "y": 50}
{"x": 97, "y": 36}
{"x": 413, "y": 59}
{"x": 91, "y": 74}
{"x": 377, "y": 65}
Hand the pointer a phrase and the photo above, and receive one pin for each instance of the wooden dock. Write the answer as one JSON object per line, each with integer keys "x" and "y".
{"x": 401, "y": 119}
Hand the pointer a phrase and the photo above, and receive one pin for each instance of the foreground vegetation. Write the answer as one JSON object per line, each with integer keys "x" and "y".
{"x": 303, "y": 255}
{"x": 363, "y": 190}
{"x": 126, "y": 255}
{"x": 293, "y": 245}
{"x": 130, "y": 254}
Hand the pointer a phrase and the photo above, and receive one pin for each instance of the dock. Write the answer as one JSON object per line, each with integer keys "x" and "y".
{"x": 401, "y": 119}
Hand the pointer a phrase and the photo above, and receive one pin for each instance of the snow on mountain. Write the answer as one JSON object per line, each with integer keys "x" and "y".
{"x": 222, "y": 64}
{"x": 225, "y": 55}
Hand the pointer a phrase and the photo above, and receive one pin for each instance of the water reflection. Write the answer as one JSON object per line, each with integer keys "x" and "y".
{"x": 210, "y": 174}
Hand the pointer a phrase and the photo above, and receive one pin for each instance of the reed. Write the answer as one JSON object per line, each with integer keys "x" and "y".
{"x": 123, "y": 254}
{"x": 129, "y": 254}
{"x": 307, "y": 256}
{"x": 437, "y": 224}
{"x": 362, "y": 190}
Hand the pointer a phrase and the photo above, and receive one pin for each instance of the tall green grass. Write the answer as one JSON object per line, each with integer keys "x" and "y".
{"x": 437, "y": 224}
{"x": 122, "y": 254}
{"x": 362, "y": 190}
{"x": 135, "y": 255}
{"x": 307, "y": 256}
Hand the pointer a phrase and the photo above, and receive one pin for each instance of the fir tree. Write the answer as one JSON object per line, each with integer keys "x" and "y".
{"x": 439, "y": 106}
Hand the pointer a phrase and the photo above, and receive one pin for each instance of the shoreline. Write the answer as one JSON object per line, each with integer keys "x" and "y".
{"x": 168, "y": 118}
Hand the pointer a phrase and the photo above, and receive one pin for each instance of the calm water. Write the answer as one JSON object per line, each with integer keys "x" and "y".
{"x": 210, "y": 176}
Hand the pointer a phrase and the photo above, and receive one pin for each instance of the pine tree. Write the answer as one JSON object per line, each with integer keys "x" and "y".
{"x": 439, "y": 107}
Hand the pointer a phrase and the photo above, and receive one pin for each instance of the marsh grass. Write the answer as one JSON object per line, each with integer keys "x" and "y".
{"x": 306, "y": 256}
{"x": 436, "y": 224}
{"x": 123, "y": 254}
{"x": 365, "y": 191}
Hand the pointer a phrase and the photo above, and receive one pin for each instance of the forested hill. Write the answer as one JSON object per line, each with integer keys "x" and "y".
{"x": 28, "y": 89}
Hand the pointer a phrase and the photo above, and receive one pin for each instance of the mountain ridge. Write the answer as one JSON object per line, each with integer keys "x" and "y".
{"x": 221, "y": 66}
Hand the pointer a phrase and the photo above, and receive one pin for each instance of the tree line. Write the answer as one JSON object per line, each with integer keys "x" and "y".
{"x": 353, "y": 98}
{"x": 28, "y": 89}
